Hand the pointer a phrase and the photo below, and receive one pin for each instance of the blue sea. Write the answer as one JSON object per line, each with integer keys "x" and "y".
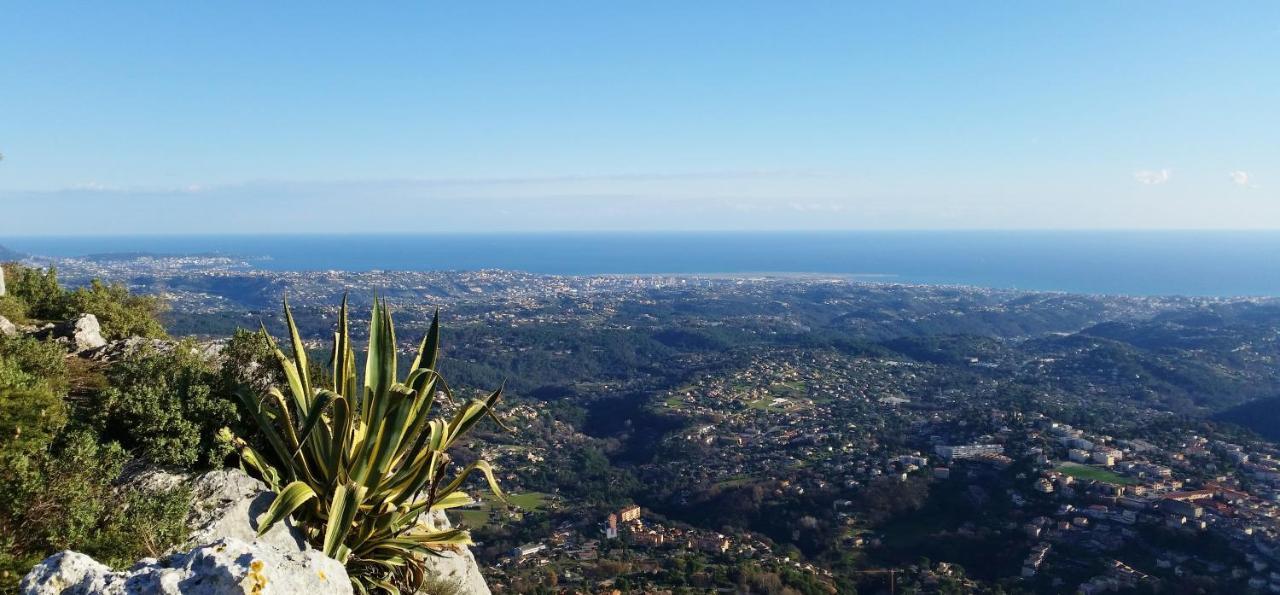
{"x": 1198, "y": 263}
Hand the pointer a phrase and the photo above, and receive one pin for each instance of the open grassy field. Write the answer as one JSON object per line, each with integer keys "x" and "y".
{"x": 794, "y": 388}
{"x": 528, "y": 500}
{"x": 480, "y": 515}
{"x": 1088, "y": 472}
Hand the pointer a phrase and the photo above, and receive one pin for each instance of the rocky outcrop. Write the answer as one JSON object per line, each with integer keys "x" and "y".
{"x": 123, "y": 349}
{"x": 455, "y": 568}
{"x": 224, "y": 503}
{"x": 82, "y": 336}
{"x": 223, "y": 553}
{"x": 126, "y": 348}
{"x": 227, "y": 503}
{"x": 79, "y": 334}
{"x": 138, "y": 476}
{"x": 226, "y": 566}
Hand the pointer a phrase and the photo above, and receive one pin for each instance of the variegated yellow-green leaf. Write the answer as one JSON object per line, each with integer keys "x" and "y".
{"x": 342, "y": 512}
{"x": 288, "y": 500}
{"x": 453, "y": 500}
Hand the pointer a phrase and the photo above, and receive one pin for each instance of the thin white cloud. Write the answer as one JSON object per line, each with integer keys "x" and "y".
{"x": 95, "y": 187}
{"x": 1153, "y": 176}
{"x": 92, "y": 187}
{"x": 1241, "y": 178}
{"x": 828, "y": 207}
{"x": 746, "y": 206}
{"x": 436, "y": 184}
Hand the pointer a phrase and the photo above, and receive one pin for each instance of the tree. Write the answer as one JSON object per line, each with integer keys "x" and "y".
{"x": 39, "y": 291}
{"x": 120, "y": 313}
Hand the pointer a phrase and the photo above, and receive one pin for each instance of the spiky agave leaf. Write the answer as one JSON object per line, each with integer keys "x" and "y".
{"x": 290, "y": 499}
{"x": 362, "y": 476}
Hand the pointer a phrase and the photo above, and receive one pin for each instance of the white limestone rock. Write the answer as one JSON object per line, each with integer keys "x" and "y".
{"x": 224, "y": 555}
{"x": 227, "y": 566}
{"x": 84, "y": 332}
{"x": 455, "y": 567}
{"x": 138, "y": 476}
{"x": 123, "y": 349}
{"x": 79, "y": 334}
{"x": 227, "y": 503}
{"x": 7, "y": 328}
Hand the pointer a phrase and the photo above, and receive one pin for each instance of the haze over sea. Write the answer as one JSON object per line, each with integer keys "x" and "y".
{"x": 1202, "y": 263}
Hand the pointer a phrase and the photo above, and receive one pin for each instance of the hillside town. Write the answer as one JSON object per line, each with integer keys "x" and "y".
{"x": 701, "y": 433}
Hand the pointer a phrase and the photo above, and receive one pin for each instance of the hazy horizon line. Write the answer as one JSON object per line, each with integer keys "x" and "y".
{"x": 550, "y": 232}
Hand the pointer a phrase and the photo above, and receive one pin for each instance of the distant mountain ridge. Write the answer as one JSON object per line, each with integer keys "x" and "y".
{"x": 7, "y": 254}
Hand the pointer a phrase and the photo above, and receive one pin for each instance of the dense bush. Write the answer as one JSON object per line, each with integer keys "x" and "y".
{"x": 140, "y": 524}
{"x": 52, "y": 501}
{"x": 30, "y": 418}
{"x": 57, "y": 469}
{"x": 38, "y": 290}
{"x": 250, "y": 361}
{"x": 120, "y": 313}
{"x": 62, "y": 498}
{"x": 37, "y": 294}
{"x": 13, "y": 309}
{"x": 168, "y": 407}
{"x": 33, "y": 376}
{"x": 57, "y": 496}
{"x": 43, "y": 360}
{"x": 30, "y": 415}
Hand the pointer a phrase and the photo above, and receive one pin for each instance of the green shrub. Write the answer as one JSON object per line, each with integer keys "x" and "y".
{"x": 53, "y": 499}
{"x": 56, "y": 478}
{"x": 33, "y": 376}
{"x": 62, "y": 498}
{"x": 120, "y": 313}
{"x": 13, "y": 309}
{"x": 168, "y": 407}
{"x": 44, "y": 360}
{"x": 30, "y": 415}
{"x": 141, "y": 524}
{"x": 250, "y": 361}
{"x": 37, "y": 294}
{"x": 38, "y": 290}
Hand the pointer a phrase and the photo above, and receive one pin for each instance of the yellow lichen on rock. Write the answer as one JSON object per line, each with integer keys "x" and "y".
{"x": 257, "y": 582}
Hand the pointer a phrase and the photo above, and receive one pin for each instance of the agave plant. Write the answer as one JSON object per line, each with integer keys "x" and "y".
{"x": 360, "y": 472}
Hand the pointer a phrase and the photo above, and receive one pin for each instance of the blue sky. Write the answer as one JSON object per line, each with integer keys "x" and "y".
{"x": 150, "y": 117}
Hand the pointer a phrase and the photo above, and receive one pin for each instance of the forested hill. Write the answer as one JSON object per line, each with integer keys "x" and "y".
{"x": 1261, "y": 416}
